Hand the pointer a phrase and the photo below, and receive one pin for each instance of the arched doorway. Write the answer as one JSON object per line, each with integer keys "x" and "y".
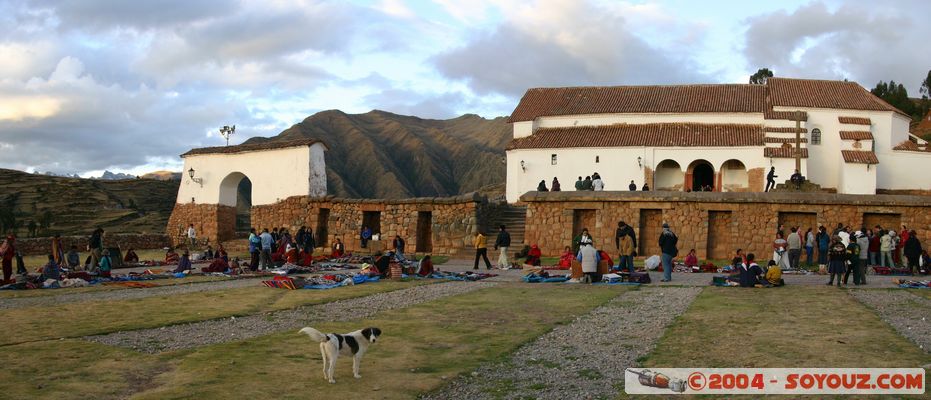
{"x": 668, "y": 176}
{"x": 236, "y": 191}
{"x": 700, "y": 176}
{"x": 734, "y": 177}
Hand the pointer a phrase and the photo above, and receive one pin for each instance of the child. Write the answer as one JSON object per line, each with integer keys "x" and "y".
{"x": 533, "y": 256}
{"x": 565, "y": 261}
{"x": 691, "y": 260}
{"x": 426, "y": 266}
{"x": 105, "y": 264}
{"x": 774, "y": 274}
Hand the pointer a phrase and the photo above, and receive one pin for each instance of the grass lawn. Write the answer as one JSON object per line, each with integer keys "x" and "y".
{"x": 98, "y": 317}
{"x": 782, "y": 328}
{"x": 420, "y": 345}
{"x": 13, "y": 294}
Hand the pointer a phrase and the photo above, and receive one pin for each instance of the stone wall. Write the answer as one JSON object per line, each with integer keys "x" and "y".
{"x": 213, "y": 221}
{"x": 454, "y": 220}
{"x": 749, "y": 220}
{"x": 39, "y": 246}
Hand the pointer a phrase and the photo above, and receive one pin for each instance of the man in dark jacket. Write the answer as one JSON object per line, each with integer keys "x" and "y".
{"x": 502, "y": 243}
{"x": 626, "y": 230}
{"x": 912, "y": 251}
{"x": 667, "y": 244}
{"x": 771, "y": 178}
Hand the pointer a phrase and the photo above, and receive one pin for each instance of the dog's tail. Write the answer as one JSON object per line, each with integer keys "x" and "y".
{"x": 314, "y": 334}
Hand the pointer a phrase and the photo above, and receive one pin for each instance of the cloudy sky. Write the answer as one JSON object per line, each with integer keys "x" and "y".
{"x": 88, "y": 85}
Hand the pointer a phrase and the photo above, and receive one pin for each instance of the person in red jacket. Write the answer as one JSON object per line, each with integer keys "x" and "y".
{"x": 900, "y": 253}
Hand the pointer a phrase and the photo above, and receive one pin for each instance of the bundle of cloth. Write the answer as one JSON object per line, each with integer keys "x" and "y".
{"x": 541, "y": 276}
{"x": 912, "y": 284}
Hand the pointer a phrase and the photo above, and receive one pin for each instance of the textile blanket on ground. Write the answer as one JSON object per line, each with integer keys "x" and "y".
{"x": 544, "y": 277}
{"x": 131, "y": 284}
{"x": 891, "y": 271}
{"x": 461, "y": 276}
{"x": 910, "y": 284}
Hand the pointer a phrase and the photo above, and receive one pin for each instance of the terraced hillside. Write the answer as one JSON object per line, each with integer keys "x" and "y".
{"x": 76, "y": 206}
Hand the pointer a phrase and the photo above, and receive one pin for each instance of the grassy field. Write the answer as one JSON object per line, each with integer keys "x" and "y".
{"x": 421, "y": 346}
{"x": 802, "y": 327}
{"x": 99, "y": 317}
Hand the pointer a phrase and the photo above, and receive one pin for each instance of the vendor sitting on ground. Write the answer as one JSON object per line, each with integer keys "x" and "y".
{"x": 565, "y": 261}
{"x": 51, "y": 270}
{"x": 219, "y": 264}
{"x": 171, "y": 257}
{"x": 338, "y": 249}
{"x": 426, "y": 266}
{"x": 306, "y": 257}
{"x": 290, "y": 254}
{"x": 533, "y": 256}
{"x": 774, "y": 274}
{"x": 750, "y": 275}
{"x": 691, "y": 260}
{"x": 208, "y": 254}
{"x": 73, "y": 257}
{"x": 184, "y": 264}
{"x": 105, "y": 264}
{"x": 383, "y": 264}
{"x": 221, "y": 253}
{"x": 131, "y": 257}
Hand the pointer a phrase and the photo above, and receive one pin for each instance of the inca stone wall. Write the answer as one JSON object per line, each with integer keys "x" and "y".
{"x": 453, "y": 220}
{"x": 38, "y": 246}
{"x": 750, "y": 220}
{"x": 213, "y": 221}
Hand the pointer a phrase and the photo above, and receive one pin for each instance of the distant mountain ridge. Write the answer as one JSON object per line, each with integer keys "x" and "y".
{"x": 383, "y": 155}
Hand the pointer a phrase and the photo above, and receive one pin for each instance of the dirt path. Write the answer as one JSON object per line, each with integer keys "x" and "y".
{"x": 909, "y": 314}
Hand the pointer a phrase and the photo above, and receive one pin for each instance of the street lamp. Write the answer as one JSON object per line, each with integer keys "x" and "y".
{"x": 190, "y": 173}
{"x": 226, "y": 131}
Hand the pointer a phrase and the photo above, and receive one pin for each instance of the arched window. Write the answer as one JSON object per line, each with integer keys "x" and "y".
{"x": 816, "y": 136}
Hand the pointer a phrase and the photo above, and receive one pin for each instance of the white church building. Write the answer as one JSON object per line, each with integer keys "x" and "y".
{"x": 725, "y": 136}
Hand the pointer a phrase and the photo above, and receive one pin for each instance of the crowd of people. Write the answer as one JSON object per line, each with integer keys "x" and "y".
{"x": 592, "y": 182}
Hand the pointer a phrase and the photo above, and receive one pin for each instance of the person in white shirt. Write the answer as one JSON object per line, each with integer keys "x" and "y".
{"x": 192, "y": 235}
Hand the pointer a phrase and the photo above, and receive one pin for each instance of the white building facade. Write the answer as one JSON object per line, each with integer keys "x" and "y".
{"x": 726, "y": 137}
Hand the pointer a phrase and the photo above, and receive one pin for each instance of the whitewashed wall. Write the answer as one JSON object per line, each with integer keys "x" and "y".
{"x": 904, "y": 170}
{"x": 275, "y": 175}
{"x": 857, "y": 178}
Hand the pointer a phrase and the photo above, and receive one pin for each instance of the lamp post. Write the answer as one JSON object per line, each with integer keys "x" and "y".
{"x": 199, "y": 181}
{"x": 226, "y": 131}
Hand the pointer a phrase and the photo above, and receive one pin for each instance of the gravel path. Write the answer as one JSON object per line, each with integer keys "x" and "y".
{"x": 231, "y": 329}
{"x": 583, "y": 359}
{"x": 909, "y": 314}
{"x": 126, "y": 294}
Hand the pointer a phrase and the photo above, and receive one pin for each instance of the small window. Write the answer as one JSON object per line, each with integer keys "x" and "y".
{"x": 816, "y": 136}
{"x": 596, "y": 159}
{"x": 553, "y": 159}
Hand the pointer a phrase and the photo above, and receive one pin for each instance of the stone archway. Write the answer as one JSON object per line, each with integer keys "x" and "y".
{"x": 700, "y": 174}
{"x": 236, "y": 191}
{"x": 734, "y": 177}
{"x": 668, "y": 176}
{"x": 210, "y": 187}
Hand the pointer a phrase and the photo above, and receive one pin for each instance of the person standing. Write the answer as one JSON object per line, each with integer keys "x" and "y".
{"x": 192, "y": 235}
{"x": 555, "y": 186}
{"x": 626, "y": 251}
{"x": 7, "y": 252}
{"x": 580, "y": 184}
{"x": 771, "y": 178}
{"x": 874, "y": 246}
{"x": 912, "y": 251}
{"x": 95, "y": 246}
{"x": 266, "y": 255}
{"x": 824, "y": 242}
{"x": 900, "y": 246}
{"x": 859, "y": 276}
{"x": 365, "y": 235}
{"x": 502, "y": 242}
{"x": 667, "y": 244}
{"x": 299, "y": 237}
{"x": 885, "y": 250}
{"x": 276, "y": 237}
{"x": 795, "y": 248}
{"x": 780, "y": 255}
{"x": 481, "y": 250}
{"x": 809, "y": 246}
{"x": 633, "y": 186}
{"x": 837, "y": 260}
{"x": 598, "y": 184}
{"x": 589, "y": 258}
{"x": 58, "y": 252}
{"x": 309, "y": 243}
{"x": 853, "y": 258}
{"x": 255, "y": 247}
{"x": 583, "y": 237}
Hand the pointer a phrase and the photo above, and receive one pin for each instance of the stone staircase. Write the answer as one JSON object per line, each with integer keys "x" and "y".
{"x": 514, "y": 218}
{"x": 788, "y": 186}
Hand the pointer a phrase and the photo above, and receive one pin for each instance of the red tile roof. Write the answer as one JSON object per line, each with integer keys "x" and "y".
{"x": 854, "y": 120}
{"x": 244, "y": 148}
{"x": 734, "y": 98}
{"x": 650, "y": 135}
{"x": 783, "y": 152}
{"x": 782, "y": 130}
{"x": 720, "y": 98}
{"x": 859, "y": 157}
{"x": 856, "y": 135}
{"x": 782, "y": 140}
{"x": 909, "y": 145}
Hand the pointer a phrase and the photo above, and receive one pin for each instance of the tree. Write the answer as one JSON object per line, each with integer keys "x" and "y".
{"x": 925, "y": 89}
{"x": 760, "y": 77}
{"x": 896, "y": 95}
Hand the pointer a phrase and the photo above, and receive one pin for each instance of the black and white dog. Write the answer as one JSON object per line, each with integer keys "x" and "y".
{"x": 355, "y": 343}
